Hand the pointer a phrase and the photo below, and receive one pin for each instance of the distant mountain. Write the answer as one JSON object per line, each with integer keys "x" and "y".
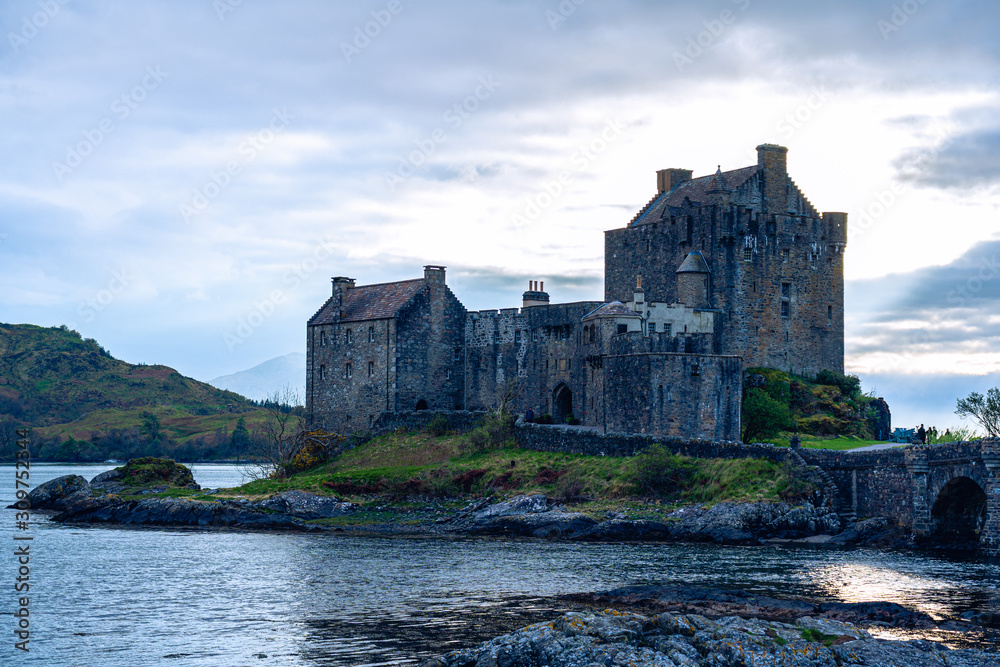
{"x": 51, "y": 375}
{"x": 264, "y": 379}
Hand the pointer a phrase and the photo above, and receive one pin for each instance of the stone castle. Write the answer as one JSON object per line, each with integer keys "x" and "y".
{"x": 714, "y": 274}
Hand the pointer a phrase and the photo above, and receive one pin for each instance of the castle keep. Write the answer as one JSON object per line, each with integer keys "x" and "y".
{"x": 716, "y": 273}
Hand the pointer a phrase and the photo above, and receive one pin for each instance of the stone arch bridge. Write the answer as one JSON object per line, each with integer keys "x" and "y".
{"x": 947, "y": 494}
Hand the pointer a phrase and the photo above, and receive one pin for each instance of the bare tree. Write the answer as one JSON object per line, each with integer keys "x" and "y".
{"x": 985, "y": 410}
{"x": 274, "y": 443}
{"x": 507, "y": 394}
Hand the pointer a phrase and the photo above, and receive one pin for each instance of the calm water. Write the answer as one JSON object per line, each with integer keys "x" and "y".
{"x": 109, "y": 596}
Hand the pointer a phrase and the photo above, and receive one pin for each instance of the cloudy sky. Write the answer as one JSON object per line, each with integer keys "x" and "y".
{"x": 183, "y": 178}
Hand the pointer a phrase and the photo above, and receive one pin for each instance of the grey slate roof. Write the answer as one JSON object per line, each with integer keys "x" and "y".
{"x": 694, "y": 263}
{"x": 612, "y": 309}
{"x": 370, "y": 302}
{"x": 696, "y": 191}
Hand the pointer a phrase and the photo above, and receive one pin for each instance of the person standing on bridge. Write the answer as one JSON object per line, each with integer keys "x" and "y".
{"x": 921, "y": 435}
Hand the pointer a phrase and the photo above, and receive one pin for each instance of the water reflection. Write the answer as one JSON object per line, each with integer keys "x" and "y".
{"x": 115, "y": 597}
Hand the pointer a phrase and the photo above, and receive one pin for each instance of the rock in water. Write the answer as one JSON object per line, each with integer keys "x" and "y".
{"x": 671, "y": 640}
{"x": 59, "y": 493}
{"x": 306, "y": 505}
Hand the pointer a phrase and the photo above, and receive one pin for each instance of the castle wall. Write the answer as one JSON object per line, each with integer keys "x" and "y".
{"x": 343, "y": 404}
{"x": 671, "y": 394}
{"x": 429, "y": 351}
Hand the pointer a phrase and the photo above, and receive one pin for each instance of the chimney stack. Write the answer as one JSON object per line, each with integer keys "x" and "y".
{"x": 434, "y": 274}
{"x": 535, "y": 296}
{"x": 667, "y": 179}
{"x": 773, "y": 162}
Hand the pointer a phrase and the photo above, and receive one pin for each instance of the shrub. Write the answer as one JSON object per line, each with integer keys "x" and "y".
{"x": 437, "y": 426}
{"x": 661, "y": 473}
{"x": 849, "y": 385}
{"x": 763, "y": 416}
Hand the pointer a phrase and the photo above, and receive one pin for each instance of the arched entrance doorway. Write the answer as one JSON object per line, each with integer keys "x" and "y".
{"x": 562, "y": 403}
{"x": 421, "y": 404}
{"x": 959, "y": 512}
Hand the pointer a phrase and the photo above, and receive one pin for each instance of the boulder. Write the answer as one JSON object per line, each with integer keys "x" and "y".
{"x": 59, "y": 493}
{"x": 306, "y": 505}
{"x": 749, "y": 523}
{"x": 525, "y": 516}
{"x": 177, "y": 512}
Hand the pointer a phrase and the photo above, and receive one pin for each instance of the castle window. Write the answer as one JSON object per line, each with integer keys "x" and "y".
{"x": 371, "y": 369}
{"x": 786, "y": 290}
{"x": 534, "y": 335}
{"x": 347, "y": 371}
{"x": 322, "y": 338}
{"x": 647, "y": 245}
{"x": 747, "y": 254}
{"x": 622, "y": 328}
{"x": 785, "y": 308}
{"x": 371, "y": 334}
{"x": 517, "y": 337}
{"x": 666, "y": 328}
{"x": 322, "y": 372}
{"x": 348, "y": 336}
{"x": 458, "y": 354}
{"x": 447, "y": 374}
{"x": 829, "y": 313}
{"x": 784, "y": 256}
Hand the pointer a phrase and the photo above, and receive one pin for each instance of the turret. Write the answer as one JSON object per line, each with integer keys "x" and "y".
{"x": 692, "y": 281}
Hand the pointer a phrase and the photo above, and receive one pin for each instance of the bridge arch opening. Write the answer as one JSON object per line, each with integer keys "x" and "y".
{"x": 959, "y": 511}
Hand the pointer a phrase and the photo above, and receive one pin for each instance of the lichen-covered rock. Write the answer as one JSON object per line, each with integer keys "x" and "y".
{"x": 59, "y": 493}
{"x": 748, "y": 523}
{"x": 671, "y": 640}
{"x": 306, "y": 505}
{"x": 177, "y": 512}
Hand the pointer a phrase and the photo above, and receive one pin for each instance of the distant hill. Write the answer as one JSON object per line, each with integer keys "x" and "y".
{"x": 52, "y": 376}
{"x": 261, "y": 381}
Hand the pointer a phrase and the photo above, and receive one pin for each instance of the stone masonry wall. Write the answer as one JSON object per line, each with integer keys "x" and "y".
{"x": 367, "y": 351}
{"x": 788, "y": 242}
{"x": 679, "y": 395}
{"x": 459, "y": 421}
{"x": 576, "y": 440}
{"x": 873, "y": 484}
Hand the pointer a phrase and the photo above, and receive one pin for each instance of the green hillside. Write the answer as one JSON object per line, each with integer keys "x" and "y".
{"x": 52, "y": 376}
{"x": 83, "y": 404}
{"x": 830, "y": 406}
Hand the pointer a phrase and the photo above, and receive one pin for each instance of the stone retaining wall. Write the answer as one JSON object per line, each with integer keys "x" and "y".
{"x": 582, "y": 440}
{"x": 460, "y": 421}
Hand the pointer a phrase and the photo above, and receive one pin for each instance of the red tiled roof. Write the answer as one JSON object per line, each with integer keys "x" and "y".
{"x": 370, "y": 302}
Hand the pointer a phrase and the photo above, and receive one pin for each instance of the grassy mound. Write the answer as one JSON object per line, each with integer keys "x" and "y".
{"x": 402, "y": 466}
{"x": 148, "y": 472}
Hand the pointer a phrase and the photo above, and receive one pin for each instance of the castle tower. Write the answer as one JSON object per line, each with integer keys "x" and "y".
{"x": 693, "y": 281}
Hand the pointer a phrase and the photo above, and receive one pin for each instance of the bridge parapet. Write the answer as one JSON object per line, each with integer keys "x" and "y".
{"x": 990, "y": 538}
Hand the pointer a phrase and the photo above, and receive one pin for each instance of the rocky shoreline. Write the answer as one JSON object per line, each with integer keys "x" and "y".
{"x": 690, "y": 640}
{"x": 105, "y": 500}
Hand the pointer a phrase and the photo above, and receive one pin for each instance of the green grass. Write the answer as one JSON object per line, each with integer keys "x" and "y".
{"x": 398, "y": 466}
{"x": 821, "y": 442}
